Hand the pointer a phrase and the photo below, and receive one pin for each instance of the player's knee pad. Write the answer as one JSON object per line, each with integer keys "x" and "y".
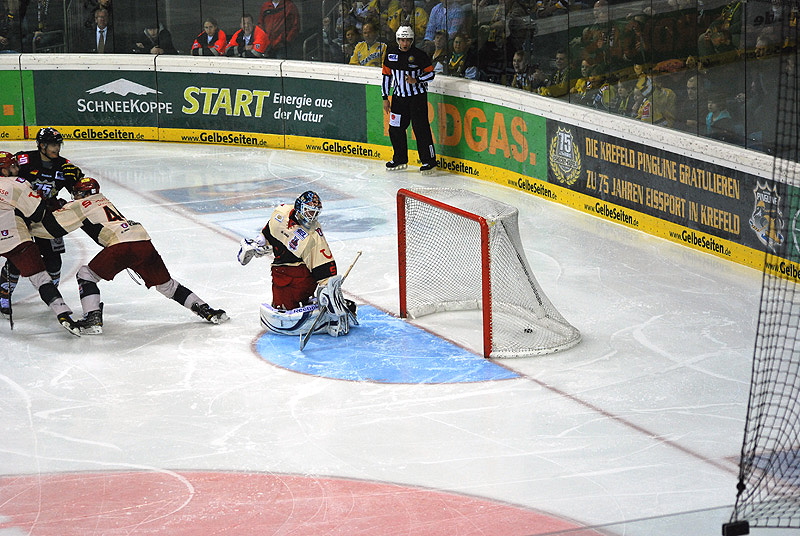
{"x": 184, "y": 296}
{"x": 47, "y": 290}
{"x": 87, "y": 282}
{"x": 292, "y": 322}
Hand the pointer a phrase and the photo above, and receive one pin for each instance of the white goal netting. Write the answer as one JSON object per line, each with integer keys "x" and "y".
{"x": 447, "y": 262}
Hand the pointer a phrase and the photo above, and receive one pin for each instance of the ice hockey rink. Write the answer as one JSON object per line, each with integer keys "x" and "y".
{"x": 165, "y": 424}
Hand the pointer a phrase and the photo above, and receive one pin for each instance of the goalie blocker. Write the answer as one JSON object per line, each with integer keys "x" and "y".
{"x": 337, "y": 314}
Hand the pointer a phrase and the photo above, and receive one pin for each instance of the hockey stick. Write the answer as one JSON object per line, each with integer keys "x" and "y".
{"x": 10, "y": 315}
{"x": 304, "y": 338}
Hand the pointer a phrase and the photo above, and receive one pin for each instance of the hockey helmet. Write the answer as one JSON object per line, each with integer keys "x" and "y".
{"x": 86, "y": 186}
{"x": 404, "y": 32}
{"x": 307, "y": 207}
{"x": 7, "y": 160}
{"x": 48, "y": 135}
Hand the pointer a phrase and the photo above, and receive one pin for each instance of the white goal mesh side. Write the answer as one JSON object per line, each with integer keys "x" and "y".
{"x": 444, "y": 270}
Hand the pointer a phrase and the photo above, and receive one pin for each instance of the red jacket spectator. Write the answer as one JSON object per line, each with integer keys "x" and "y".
{"x": 211, "y": 41}
{"x": 250, "y": 41}
{"x": 281, "y": 22}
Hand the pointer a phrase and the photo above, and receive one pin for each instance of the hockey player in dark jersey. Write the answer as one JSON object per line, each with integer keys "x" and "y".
{"x": 304, "y": 272}
{"x": 406, "y": 73}
{"x": 48, "y": 173}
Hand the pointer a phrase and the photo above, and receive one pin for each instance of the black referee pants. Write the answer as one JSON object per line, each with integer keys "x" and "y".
{"x": 414, "y": 110}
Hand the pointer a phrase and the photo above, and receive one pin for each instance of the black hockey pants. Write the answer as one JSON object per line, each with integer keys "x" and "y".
{"x": 414, "y": 110}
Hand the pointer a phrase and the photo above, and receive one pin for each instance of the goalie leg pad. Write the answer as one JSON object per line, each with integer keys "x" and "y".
{"x": 292, "y": 322}
{"x": 339, "y": 313}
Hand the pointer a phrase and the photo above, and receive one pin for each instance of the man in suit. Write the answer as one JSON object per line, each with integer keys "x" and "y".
{"x": 102, "y": 39}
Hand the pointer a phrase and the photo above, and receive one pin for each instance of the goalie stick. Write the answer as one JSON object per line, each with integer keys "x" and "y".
{"x": 304, "y": 338}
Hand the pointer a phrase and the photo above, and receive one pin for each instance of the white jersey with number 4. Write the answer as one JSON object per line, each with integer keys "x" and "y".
{"x": 99, "y": 218}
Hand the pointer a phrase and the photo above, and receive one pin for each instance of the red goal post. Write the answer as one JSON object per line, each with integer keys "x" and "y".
{"x": 458, "y": 250}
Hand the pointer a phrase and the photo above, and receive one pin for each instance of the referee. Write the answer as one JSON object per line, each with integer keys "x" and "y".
{"x": 408, "y": 70}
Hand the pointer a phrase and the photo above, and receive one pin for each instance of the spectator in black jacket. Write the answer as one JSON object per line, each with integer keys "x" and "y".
{"x": 10, "y": 29}
{"x": 155, "y": 39}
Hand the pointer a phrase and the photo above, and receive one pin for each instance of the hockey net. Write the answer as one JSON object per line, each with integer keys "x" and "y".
{"x": 458, "y": 250}
{"x": 769, "y": 469}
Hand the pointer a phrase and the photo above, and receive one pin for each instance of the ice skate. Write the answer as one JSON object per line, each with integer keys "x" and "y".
{"x": 428, "y": 168}
{"x": 204, "y": 311}
{"x": 92, "y": 323}
{"x": 391, "y": 165}
{"x": 69, "y": 324}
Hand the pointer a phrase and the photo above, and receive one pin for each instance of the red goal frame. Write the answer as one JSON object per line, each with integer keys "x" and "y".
{"x": 486, "y": 291}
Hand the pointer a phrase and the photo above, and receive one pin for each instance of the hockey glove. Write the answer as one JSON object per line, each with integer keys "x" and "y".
{"x": 249, "y": 248}
{"x": 54, "y": 203}
{"x": 72, "y": 174}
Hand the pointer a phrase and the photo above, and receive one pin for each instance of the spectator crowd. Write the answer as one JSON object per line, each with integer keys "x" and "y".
{"x": 674, "y": 63}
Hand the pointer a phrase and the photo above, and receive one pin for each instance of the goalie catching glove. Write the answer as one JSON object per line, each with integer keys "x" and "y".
{"x": 249, "y": 248}
{"x": 340, "y": 312}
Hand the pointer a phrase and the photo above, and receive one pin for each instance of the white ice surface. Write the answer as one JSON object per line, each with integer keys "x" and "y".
{"x": 643, "y": 418}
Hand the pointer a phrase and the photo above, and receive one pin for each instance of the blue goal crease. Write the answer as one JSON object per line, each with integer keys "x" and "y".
{"x": 381, "y": 349}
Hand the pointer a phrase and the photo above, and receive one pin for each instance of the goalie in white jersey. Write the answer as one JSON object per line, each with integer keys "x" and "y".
{"x": 304, "y": 273}
{"x": 20, "y": 205}
{"x": 126, "y": 244}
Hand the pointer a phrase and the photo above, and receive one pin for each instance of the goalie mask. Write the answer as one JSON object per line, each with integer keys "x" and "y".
{"x": 307, "y": 207}
{"x": 85, "y": 187}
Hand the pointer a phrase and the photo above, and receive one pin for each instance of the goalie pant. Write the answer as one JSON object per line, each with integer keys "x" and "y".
{"x": 126, "y": 244}
{"x": 17, "y": 199}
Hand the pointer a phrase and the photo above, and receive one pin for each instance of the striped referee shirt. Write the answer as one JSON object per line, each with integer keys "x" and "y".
{"x": 398, "y": 64}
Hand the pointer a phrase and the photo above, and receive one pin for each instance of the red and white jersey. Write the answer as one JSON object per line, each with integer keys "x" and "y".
{"x": 99, "y": 218}
{"x": 16, "y": 194}
{"x": 295, "y": 245}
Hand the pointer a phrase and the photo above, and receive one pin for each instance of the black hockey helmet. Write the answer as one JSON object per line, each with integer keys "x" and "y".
{"x": 86, "y": 186}
{"x": 48, "y": 135}
{"x": 307, "y": 207}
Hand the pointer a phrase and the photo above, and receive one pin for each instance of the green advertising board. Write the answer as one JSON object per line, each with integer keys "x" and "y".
{"x": 263, "y": 105}
{"x": 12, "y": 106}
{"x": 324, "y": 109}
{"x": 98, "y": 98}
